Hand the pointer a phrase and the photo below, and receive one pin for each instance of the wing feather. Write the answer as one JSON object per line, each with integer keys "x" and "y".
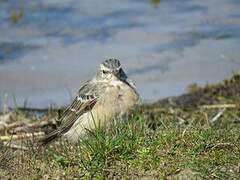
{"x": 87, "y": 97}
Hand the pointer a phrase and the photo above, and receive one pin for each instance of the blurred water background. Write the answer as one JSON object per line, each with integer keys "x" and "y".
{"x": 49, "y": 48}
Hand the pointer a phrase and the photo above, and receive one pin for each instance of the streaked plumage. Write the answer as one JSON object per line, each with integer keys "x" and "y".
{"x": 102, "y": 98}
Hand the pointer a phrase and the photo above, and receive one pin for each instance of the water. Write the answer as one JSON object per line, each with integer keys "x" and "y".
{"x": 48, "y": 48}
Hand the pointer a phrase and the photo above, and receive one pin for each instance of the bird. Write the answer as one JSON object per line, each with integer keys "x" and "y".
{"x": 108, "y": 95}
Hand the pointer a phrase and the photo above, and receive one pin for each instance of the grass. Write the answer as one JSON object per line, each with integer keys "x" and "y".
{"x": 161, "y": 141}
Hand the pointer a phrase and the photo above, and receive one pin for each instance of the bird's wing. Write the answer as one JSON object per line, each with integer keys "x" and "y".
{"x": 87, "y": 97}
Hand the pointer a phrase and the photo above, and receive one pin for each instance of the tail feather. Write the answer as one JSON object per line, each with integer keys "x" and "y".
{"x": 49, "y": 138}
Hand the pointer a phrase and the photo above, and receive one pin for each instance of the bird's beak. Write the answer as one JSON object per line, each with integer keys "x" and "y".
{"x": 115, "y": 73}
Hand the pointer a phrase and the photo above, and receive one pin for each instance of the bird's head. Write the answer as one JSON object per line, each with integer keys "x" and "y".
{"x": 111, "y": 69}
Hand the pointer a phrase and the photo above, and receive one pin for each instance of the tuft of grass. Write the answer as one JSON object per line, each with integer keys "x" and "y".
{"x": 16, "y": 16}
{"x": 132, "y": 149}
{"x": 192, "y": 87}
{"x": 156, "y": 2}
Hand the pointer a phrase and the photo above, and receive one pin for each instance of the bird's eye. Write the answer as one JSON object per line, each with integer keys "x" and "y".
{"x": 104, "y": 72}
